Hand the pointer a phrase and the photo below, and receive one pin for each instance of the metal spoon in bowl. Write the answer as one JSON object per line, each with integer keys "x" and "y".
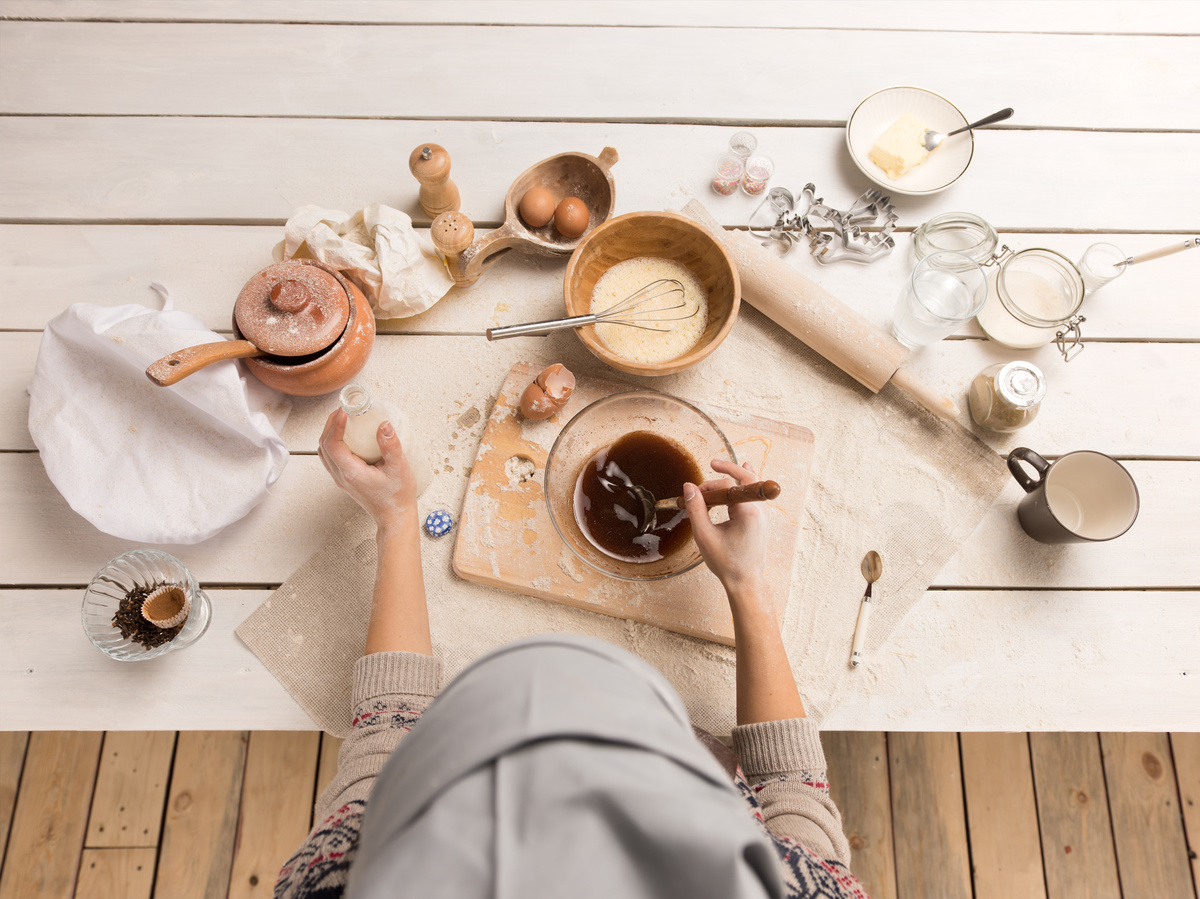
{"x": 933, "y": 139}
{"x": 723, "y": 496}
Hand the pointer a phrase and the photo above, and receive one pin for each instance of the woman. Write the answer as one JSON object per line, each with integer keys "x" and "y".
{"x": 560, "y": 765}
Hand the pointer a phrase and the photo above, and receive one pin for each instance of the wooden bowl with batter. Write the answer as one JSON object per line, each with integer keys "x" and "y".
{"x": 665, "y": 235}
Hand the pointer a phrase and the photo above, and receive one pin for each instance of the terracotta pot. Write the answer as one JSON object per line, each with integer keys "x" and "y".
{"x": 301, "y": 327}
{"x": 326, "y": 370}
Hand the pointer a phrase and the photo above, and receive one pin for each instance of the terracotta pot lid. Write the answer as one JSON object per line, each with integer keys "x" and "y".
{"x": 292, "y": 308}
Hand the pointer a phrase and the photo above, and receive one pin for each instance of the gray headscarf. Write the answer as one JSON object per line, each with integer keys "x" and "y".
{"x": 558, "y": 766}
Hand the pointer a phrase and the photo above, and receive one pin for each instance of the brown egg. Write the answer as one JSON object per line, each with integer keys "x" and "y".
{"x": 571, "y": 217}
{"x": 537, "y": 207}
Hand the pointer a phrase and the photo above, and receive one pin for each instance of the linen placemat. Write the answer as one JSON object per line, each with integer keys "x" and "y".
{"x": 886, "y": 476}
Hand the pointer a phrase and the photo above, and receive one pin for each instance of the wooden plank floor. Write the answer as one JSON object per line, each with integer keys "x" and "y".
{"x": 214, "y": 814}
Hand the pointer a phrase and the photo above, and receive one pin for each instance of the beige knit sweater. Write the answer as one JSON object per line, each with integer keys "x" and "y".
{"x": 782, "y": 771}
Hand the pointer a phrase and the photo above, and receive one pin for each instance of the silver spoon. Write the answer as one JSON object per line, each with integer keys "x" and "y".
{"x": 933, "y": 139}
{"x": 872, "y": 569}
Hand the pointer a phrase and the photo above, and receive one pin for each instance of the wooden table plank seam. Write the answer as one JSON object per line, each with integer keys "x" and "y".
{"x": 1038, "y": 817}
{"x": 675, "y": 24}
{"x": 1101, "y": 17}
{"x": 66, "y": 19}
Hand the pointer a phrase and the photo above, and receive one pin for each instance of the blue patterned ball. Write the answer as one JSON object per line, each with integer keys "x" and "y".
{"x": 438, "y": 523}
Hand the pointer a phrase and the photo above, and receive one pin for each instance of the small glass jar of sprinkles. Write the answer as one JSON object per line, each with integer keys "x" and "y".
{"x": 729, "y": 174}
{"x": 759, "y": 170}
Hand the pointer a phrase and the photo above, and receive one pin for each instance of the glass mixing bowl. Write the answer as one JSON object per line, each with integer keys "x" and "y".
{"x": 140, "y": 568}
{"x": 600, "y": 425}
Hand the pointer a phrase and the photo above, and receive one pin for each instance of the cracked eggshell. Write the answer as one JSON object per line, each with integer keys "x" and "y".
{"x": 548, "y": 393}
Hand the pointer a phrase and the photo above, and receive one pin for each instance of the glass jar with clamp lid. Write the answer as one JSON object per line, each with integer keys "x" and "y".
{"x": 1036, "y": 293}
{"x": 1037, "y": 298}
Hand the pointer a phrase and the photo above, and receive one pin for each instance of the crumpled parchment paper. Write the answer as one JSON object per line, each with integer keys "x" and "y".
{"x": 377, "y": 248}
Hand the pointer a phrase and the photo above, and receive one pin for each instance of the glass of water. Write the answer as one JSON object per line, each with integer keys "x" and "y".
{"x": 945, "y": 291}
{"x": 1101, "y": 263}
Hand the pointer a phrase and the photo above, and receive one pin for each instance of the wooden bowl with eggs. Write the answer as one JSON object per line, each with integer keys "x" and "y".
{"x": 587, "y": 178}
{"x": 655, "y": 236}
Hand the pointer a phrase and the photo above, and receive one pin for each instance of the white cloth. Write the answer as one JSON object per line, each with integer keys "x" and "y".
{"x": 141, "y": 462}
{"x": 376, "y": 248}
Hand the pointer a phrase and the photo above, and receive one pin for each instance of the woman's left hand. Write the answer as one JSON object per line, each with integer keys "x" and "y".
{"x": 387, "y": 489}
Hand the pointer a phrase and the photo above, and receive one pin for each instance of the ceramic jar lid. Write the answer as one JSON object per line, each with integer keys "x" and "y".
{"x": 293, "y": 308}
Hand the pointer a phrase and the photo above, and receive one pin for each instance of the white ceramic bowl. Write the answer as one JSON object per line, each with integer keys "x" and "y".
{"x": 875, "y": 115}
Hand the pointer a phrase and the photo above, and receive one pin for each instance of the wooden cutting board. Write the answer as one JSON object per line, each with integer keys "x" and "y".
{"x": 506, "y": 538}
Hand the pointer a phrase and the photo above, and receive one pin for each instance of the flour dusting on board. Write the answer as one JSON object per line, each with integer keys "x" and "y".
{"x": 506, "y": 500}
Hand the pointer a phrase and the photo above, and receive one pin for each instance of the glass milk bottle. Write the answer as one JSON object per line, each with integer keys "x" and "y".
{"x": 364, "y": 415}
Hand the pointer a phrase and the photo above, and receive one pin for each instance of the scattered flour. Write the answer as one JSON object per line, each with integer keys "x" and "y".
{"x": 567, "y": 564}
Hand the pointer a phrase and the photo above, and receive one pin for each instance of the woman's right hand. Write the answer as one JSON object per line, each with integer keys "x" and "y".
{"x": 734, "y": 550}
{"x": 387, "y": 489}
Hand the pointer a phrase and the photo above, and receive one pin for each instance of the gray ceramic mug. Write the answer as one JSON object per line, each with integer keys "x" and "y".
{"x": 1082, "y": 497}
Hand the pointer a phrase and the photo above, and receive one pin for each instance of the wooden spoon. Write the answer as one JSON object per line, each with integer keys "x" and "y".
{"x": 722, "y": 496}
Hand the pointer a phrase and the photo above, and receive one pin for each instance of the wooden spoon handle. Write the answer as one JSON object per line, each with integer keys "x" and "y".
{"x": 484, "y": 251}
{"x": 729, "y": 496}
{"x": 173, "y": 368}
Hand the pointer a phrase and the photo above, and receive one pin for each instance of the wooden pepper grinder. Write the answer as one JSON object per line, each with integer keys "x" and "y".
{"x": 452, "y": 233}
{"x": 430, "y": 164}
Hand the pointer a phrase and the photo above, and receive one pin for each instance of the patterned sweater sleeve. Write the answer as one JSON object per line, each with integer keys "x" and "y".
{"x": 391, "y": 690}
{"x": 784, "y": 765}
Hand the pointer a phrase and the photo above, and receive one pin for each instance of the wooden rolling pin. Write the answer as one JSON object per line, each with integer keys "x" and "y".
{"x": 819, "y": 319}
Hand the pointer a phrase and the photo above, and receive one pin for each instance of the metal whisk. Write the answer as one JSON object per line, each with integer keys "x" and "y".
{"x": 637, "y": 310}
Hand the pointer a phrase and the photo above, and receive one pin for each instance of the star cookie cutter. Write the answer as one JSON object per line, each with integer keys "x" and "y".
{"x": 832, "y": 235}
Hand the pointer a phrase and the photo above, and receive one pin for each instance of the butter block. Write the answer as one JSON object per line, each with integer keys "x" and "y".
{"x": 901, "y": 147}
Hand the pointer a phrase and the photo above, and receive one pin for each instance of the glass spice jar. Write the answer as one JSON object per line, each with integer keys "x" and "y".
{"x": 1006, "y": 396}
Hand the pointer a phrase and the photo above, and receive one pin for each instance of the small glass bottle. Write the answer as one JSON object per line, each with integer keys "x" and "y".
{"x": 364, "y": 416}
{"x": 1006, "y": 396}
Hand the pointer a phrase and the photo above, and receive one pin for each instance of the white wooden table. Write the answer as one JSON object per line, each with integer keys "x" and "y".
{"x": 168, "y": 140}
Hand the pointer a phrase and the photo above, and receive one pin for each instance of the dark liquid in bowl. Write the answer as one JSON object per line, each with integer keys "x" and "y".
{"x": 608, "y": 512}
